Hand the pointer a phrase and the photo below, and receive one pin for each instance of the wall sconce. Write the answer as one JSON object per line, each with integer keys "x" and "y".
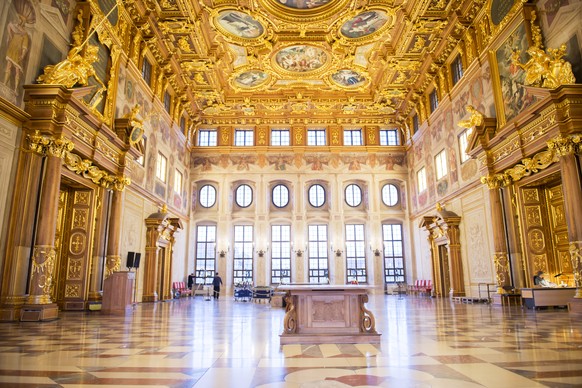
{"x": 261, "y": 253}
{"x": 222, "y": 253}
{"x": 338, "y": 252}
{"x": 299, "y": 252}
{"x": 376, "y": 252}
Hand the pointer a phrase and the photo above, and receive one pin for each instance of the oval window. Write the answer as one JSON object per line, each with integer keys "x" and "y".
{"x": 280, "y": 195}
{"x": 316, "y": 195}
{"x": 207, "y": 196}
{"x": 389, "y": 195}
{"x": 353, "y": 195}
{"x": 244, "y": 195}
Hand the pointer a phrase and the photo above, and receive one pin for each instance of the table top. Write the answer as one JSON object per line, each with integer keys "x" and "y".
{"x": 324, "y": 287}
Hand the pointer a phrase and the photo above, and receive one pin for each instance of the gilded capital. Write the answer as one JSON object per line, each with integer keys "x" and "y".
{"x": 494, "y": 181}
{"x": 566, "y": 145}
{"x": 49, "y": 146}
{"x": 112, "y": 264}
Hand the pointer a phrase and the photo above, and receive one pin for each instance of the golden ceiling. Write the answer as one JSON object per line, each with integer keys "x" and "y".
{"x": 269, "y": 58}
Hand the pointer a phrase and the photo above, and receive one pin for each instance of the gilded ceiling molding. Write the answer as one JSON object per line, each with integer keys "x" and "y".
{"x": 85, "y": 168}
{"x": 45, "y": 145}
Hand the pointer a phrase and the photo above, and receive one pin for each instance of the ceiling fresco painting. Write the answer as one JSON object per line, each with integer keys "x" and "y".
{"x": 333, "y": 60}
{"x": 301, "y": 58}
{"x": 240, "y": 24}
{"x": 364, "y": 24}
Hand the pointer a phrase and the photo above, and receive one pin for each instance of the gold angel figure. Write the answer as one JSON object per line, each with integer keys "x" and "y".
{"x": 547, "y": 70}
{"x": 75, "y": 69}
{"x": 473, "y": 121}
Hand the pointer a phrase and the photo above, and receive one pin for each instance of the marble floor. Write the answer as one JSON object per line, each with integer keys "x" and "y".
{"x": 191, "y": 342}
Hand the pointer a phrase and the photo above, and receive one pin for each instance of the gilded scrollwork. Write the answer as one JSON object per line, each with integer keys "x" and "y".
{"x": 566, "y": 145}
{"x": 474, "y": 120}
{"x": 85, "y": 168}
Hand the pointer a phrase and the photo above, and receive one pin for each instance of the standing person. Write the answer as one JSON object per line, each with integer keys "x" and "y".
{"x": 216, "y": 282}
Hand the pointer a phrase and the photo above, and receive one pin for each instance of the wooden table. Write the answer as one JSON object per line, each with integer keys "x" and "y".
{"x": 317, "y": 314}
{"x": 547, "y": 296}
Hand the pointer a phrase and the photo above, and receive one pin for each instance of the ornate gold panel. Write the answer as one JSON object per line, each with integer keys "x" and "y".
{"x": 536, "y": 240}
{"x": 79, "y": 218}
{"x": 533, "y": 216}
{"x": 81, "y": 198}
{"x": 530, "y": 195}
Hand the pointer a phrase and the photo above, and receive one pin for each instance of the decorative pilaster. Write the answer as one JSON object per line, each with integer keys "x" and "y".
{"x": 567, "y": 148}
{"x": 500, "y": 257}
{"x": 113, "y": 261}
{"x": 39, "y": 305}
{"x": 576, "y": 256}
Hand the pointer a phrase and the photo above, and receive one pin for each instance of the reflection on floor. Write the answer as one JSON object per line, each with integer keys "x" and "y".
{"x": 196, "y": 343}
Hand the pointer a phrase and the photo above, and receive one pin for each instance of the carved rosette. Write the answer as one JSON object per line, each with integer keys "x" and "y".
{"x": 566, "y": 145}
{"x": 112, "y": 264}
{"x": 501, "y": 270}
{"x": 49, "y": 146}
{"x": 367, "y": 320}
{"x": 290, "y": 320}
{"x": 43, "y": 267}
{"x": 576, "y": 257}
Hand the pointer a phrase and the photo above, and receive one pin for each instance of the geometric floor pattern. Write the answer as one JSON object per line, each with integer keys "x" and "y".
{"x": 191, "y": 342}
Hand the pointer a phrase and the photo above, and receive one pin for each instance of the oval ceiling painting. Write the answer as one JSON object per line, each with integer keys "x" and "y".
{"x": 303, "y": 4}
{"x": 364, "y": 24}
{"x": 301, "y": 58}
{"x": 348, "y": 78}
{"x": 240, "y": 24}
{"x": 251, "y": 78}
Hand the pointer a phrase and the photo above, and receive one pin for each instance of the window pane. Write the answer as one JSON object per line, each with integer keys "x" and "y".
{"x": 393, "y": 253}
{"x": 353, "y": 195}
{"x": 207, "y": 196}
{"x": 316, "y": 195}
{"x": 280, "y": 195}
{"x": 244, "y": 195}
{"x": 389, "y": 195}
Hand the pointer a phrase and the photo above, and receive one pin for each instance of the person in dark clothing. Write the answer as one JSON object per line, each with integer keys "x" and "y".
{"x": 190, "y": 280}
{"x": 216, "y": 283}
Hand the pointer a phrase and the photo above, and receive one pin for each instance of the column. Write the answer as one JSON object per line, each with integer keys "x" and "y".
{"x": 113, "y": 261}
{"x": 567, "y": 148}
{"x": 500, "y": 257}
{"x": 39, "y": 306}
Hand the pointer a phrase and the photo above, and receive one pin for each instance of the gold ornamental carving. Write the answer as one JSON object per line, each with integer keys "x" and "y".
{"x": 112, "y": 264}
{"x": 43, "y": 267}
{"x": 76, "y": 69}
{"x": 576, "y": 257}
{"x": 474, "y": 120}
{"x": 546, "y": 69}
{"x": 72, "y": 291}
{"x": 45, "y": 145}
{"x": 86, "y": 168}
{"x": 501, "y": 263}
{"x": 566, "y": 145}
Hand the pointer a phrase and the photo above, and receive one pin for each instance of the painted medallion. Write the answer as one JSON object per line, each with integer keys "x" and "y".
{"x": 251, "y": 78}
{"x": 301, "y": 58}
{"x": 364, "y": 24}
{"x": 348, "y": 78}
{"x": 303, "y": 4}
{"x": 240, "y": 24}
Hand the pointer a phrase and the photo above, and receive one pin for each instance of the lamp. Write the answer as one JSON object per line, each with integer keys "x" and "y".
{"x": 222, "y": 253}
{"x": 261, "y": 253}
{"x": 377, "y": 252}
{"x": 299, "y": 252}
{"x": 338, "y": 252}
